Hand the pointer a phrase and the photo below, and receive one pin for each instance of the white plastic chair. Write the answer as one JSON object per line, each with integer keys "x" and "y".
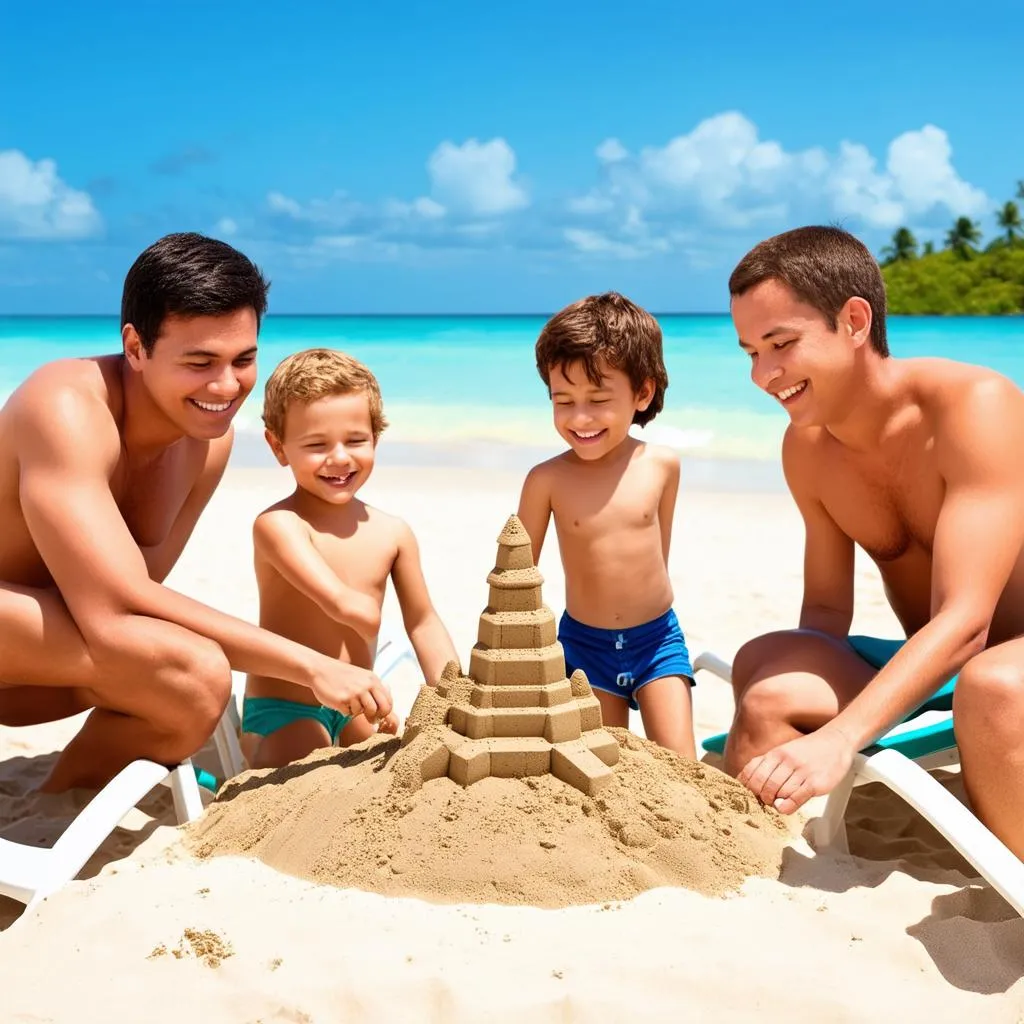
{"x": 30, "y": 874}
{"x": 901, "y": 761}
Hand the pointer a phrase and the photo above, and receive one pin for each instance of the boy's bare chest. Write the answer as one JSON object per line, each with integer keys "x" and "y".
{"x": 363, "y": 559}
{"x": 587, "y": 504}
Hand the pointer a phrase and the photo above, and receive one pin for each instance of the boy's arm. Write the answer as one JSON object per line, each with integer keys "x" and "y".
{"x": 667, "y": 504}
{"x": 828, "y": 553}
{"x": 430, "y": 640}
{"x": 978, "y": 540}
{"x": 281, "y": 538}
{"x": 535, "y": 507}
{"x": 96, "y": 564}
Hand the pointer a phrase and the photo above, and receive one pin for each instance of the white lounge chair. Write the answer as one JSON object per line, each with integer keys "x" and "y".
{"x": 901, "y": 760}
{"x": 30, "y": 874}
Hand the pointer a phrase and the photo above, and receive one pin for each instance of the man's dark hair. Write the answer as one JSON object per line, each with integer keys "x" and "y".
{"x": 822, "y": 266}
{"x": 187, "y": 274}
{"x": 610, "y": 328}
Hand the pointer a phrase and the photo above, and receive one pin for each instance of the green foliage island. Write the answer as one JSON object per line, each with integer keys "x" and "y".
{"x": 961, "y": 279}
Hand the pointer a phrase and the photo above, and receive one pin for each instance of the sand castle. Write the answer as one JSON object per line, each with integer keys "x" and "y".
{"x": 516, "y": 714}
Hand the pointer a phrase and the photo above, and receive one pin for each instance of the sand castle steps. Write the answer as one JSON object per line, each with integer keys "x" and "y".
{"x": 516, "y": 714}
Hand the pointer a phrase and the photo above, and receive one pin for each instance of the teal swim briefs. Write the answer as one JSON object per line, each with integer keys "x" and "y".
{"x": 265, "y": 715}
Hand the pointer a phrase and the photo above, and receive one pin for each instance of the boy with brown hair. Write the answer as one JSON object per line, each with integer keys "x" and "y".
{"x": 323, "y": 557}
{"x": 613, "y": 498}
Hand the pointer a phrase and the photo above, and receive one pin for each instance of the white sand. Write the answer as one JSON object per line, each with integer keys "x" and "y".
{"x": 837, "y": 939}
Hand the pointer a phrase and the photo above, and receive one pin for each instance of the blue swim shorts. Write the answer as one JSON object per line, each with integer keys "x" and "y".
{"x": 622, "y": 661}
{"x": 265, "y": 715}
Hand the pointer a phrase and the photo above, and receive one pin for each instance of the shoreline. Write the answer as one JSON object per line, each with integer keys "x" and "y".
{"x": 703, "y": 474}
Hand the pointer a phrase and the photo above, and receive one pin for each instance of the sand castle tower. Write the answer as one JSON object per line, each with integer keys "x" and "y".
{"x": 516, "y": 714}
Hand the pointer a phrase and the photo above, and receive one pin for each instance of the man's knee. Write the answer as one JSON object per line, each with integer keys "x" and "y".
{"x": 187, "y": 676}
{"x": 208, "y": 675}
{"x": 756, "y": 656}
{"x": 990, "y": 689}
{"x": 766, "y": 700}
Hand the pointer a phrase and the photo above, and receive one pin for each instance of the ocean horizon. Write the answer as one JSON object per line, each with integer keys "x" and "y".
{"x": 468, "y": 381}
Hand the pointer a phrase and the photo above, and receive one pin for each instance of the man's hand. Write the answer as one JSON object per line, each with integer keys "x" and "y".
{"x": 787, "y": 776}
{"x": 350, "y": 690}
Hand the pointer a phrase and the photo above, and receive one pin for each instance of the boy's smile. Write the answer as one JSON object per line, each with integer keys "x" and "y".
{"x": 594, "y": 419}
{"x": 328, "y": 445}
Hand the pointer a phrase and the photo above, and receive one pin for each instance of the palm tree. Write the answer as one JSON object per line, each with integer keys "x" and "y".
{"x": 1010, "y": 221}
{"x": 963, "y": 236}
{"x": 902, "y": 247}
{"x": 1020, "y": 188}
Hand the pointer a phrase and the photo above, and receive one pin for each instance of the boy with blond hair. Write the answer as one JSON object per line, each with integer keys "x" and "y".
{"x": 612, "y": 498}
{"x": 323, "y": 557}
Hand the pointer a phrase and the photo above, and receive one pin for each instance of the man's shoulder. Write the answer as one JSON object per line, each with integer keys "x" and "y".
{"x": 962, "y": 400}
{"x": 91, "y": 375}
{"x": 68, "y": 395}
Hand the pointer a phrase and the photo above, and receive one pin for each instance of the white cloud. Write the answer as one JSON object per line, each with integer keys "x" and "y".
{"x": 424, "y": 207}
{"x": 476, "y": 177}
{"x": 226, "y": 226}
{"x": 36, "y": 203}
{"x": 611, "y": 151}
{"x": 723, "y": 175}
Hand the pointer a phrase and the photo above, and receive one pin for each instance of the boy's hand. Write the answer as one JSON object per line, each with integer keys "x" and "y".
{"x": 351, "y": 690}
{"x": 388, "y": 724}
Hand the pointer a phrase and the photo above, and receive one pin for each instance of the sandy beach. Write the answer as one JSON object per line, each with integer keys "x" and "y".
{"x": 897, "y": 929}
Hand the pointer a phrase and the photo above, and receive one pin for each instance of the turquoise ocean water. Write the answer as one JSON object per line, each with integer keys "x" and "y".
{"x": 453, "y": 380}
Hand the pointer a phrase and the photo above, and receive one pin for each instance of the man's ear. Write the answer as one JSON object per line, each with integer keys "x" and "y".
{"x": 276, "y": 448}
{"x": 134, "y": 351}
{"x": 857, "y": 317}
{"x": 645, "y": 395}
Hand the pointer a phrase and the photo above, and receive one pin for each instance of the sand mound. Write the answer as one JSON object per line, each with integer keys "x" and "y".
{"x": 349, "y": 818}
{"x": 504, "y": 788}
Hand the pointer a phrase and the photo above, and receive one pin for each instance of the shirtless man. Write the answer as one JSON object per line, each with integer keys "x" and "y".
{"x": 105, "y": 466}
{"x": 921, "y": 463}
{"x": 612, "y": 499}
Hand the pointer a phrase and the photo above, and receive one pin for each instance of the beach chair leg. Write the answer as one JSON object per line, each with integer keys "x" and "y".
{"x": 94, "y": 823}
{"x": 968, "y": 836}
{"x": 188, "y": 803}
{"x": 225, "y": 738}
{"x": 708, "y": 661}
{"x": 829, "y": 831}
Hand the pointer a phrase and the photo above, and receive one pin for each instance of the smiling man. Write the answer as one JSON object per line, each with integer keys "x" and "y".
{"x": 920, "y": 462}
{"x": 105, "y": 466}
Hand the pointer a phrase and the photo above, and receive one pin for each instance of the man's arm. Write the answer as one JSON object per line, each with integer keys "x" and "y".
{"x": 667, "y": 503}
{"x": 282, "y": 539}
{"x": 430, "y": 640}
{"x": 978, "y": 539}
{"x": 535, "y": 507}
{"x": 828, "y": 553}
{"x": 98, "y": 567}
{"x": 161, "y": 558}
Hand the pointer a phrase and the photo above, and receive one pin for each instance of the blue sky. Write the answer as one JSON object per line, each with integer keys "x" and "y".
{"x": 460, "y": 157}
